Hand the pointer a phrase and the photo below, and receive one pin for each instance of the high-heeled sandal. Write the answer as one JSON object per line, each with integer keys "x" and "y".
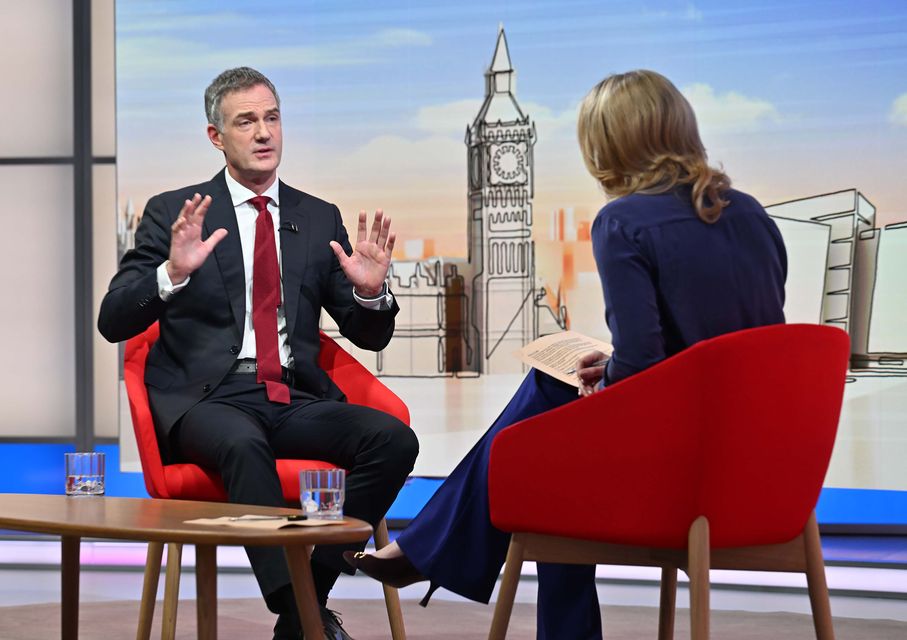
{"x": 396, "y": 572}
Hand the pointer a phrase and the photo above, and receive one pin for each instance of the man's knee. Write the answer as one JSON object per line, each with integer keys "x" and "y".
{"x": 409, "y": 445}
{"x": 402, "y": 446}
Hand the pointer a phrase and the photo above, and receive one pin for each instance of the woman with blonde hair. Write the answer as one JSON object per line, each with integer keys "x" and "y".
{"x": 682, "y": 257}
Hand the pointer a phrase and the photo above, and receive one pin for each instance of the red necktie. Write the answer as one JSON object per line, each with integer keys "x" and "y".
{"x": 265, "y": 300}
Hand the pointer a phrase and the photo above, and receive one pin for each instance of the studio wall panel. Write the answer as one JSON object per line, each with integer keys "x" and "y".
{"x": 103, "y": 78}
{"x": 36, "y": 61}
{"x": 104, "y": 262}
{"x": 37, "y": 381}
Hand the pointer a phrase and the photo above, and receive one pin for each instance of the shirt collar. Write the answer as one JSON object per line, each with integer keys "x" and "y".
{"x": 240, "y": 194}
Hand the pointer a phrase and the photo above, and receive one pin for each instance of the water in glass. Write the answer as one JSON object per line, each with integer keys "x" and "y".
{"x": 84, "y": 473}
{"x": 321, "y": 493}
{"x": 89, "y": 485}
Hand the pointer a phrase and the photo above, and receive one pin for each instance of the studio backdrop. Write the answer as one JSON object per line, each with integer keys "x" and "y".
{"x": 458, "y": 119}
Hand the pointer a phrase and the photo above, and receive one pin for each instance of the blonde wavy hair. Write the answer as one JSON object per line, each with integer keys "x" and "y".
{"x": 638, "y": 134}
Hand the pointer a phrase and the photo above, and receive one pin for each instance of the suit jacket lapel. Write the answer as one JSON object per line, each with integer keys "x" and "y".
{"x": 294, "y": 249}
{"x": 228, "y": 252}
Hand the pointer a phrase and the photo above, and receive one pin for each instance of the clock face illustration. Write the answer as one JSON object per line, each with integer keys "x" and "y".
{"x": 508, "y": 162}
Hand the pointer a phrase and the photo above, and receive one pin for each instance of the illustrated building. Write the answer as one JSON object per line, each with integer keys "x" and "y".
{"x": 468, "y": 317}
{"x": 127, "y": 223}
{"x": 430, "y": 333}
{"x": 500, "y": 142}
{"x": 886, "y": 342}
{"x": 861, "y": 274}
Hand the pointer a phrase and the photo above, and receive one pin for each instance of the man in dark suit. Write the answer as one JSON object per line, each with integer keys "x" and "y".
{"x": 233, "y": 381}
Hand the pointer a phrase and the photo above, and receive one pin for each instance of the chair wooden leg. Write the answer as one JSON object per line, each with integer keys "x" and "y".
{"x": 391, "y": 597}
{"x": 171, "y": 590}
{"x": 668, "y": 603}
{"x": 815, "y": 581}
{"x": 504, "y": 606}
{"x": 698, "y": 570}
{"x": 149, "y": 589}
{"x": 206, "y": 591}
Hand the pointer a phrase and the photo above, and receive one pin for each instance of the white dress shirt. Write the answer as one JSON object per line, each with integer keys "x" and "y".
{"x": 246, "y": 215}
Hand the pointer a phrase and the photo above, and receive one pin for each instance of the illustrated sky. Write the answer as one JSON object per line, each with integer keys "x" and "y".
{"x": 793, "y": 98}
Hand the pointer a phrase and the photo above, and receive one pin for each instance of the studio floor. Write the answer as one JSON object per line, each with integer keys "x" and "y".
{"x": 111, "y": 582}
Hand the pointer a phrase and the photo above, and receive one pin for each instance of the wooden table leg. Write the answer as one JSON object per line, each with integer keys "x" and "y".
{"x": 299, "y": 561}
{"x": 69, "y": 566}
{"x": 149, "y": 589}
{"x": 206, "y": 590}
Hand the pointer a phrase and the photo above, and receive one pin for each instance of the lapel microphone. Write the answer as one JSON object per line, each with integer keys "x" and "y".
{"x": 289, "y": 226}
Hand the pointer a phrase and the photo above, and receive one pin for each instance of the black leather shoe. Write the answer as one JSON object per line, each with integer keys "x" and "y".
{"x": 289, "y": 628}
{"x": 333, "y": 625}
{"x": 396, "y": 572}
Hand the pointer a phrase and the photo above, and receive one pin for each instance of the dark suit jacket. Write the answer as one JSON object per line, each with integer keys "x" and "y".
{"x": 201, "y": 325}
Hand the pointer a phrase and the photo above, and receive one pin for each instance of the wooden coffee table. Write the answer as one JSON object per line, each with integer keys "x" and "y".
{"x": 163, "y": 521}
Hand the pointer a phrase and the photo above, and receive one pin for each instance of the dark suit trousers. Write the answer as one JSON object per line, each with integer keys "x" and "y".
{"x": 453, "y": 543}
{"x": 236, "y": 431}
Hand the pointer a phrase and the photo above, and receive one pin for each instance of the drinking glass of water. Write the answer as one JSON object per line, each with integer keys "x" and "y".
{"x": 84, "y": 474}
{"x": 321, "y": 493}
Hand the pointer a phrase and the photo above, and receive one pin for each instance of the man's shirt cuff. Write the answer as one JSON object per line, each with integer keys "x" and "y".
{"x": 382, "y": 302}
{"x": 165, "y": 288}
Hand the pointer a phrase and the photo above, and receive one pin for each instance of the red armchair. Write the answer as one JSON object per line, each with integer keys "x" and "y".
{"x": 183, "y": 481}
{"x": 712, "y": 458}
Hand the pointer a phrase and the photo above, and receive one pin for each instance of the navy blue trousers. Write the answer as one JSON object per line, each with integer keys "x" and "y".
{"x": 453, "y": 543}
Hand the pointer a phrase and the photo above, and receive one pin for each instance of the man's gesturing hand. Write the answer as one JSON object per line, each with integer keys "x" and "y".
{"x": 187, "y": 249}
{"x": 367, "y": 267}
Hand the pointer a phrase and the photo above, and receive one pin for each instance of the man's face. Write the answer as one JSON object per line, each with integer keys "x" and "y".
{"x": 251, "y": 138}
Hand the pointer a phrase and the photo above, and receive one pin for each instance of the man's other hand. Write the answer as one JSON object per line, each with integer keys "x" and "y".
{"x": 187, "y": 249}
{"x": 367, "y": 267}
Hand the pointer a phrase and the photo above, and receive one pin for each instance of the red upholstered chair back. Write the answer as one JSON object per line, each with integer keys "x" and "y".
{"x": 738, "y": 428}
{"x": 191, "y": 482}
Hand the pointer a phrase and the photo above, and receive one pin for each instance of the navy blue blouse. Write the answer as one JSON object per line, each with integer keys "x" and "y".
{"x": 671, "y": 280}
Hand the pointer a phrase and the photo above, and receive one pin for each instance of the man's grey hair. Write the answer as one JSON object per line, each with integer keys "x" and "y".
{"x": 238, "y": 79}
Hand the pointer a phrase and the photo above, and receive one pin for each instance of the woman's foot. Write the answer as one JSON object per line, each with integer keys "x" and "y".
{"x": 395, "y": 571}
{"x": 389, "y": 552}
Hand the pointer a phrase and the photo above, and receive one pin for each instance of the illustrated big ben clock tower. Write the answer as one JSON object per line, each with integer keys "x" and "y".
{"x": 501, "y": 250}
